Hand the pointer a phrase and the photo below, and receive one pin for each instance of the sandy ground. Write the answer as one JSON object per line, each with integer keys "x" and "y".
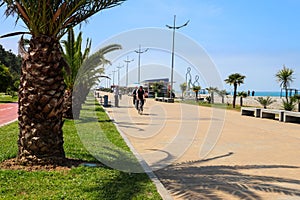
{"x": 205, "y": 153}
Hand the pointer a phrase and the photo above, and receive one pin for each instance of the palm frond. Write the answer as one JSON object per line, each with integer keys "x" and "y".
{"x": 55, "y": 17}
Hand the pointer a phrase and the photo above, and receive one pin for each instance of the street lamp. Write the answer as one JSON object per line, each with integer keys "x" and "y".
{"x": 172, "y": 62}
{"x": 109, "y": 81}
{"x": 139, "y": 63}
{"x": 127, "y": 63}
{"x": 119, "y": 67}
{"x": 114, "y": 77}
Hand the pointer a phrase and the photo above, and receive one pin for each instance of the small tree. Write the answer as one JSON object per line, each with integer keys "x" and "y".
{"x": 242, "y": 95}
{"x": 288, "y": 105}
{"x": 265, "y": 101}
{"x": 297, "y": 98}
{"x": 222, "y": 94}
{"x": 157, "y": 88}
{"x": 183, "y": 87}
{"x": 235, "y": 80}
{"x": 211, "y": 91}
{"x": 196, "y": 89}
{"x": 285, "y": 77}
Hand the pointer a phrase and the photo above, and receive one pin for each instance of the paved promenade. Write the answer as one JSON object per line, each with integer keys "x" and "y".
{"x": 205, "y": 153}
{"x": 8, "y": 113}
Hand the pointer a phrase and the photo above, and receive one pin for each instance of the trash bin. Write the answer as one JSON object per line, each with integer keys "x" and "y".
{"x": 105, "y": 103}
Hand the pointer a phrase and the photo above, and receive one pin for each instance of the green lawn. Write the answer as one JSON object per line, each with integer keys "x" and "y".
{"x": 80, "y": 182}
{"x": 7, "y": 98}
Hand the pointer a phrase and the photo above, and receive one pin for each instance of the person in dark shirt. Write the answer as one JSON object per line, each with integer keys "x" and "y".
{"x": 140, "y": 97}
{"x": 134, "y": 95}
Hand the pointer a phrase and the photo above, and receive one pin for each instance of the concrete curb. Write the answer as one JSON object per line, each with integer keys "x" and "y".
{"x": 160, "y": 187}
{"x": 8, "y": 122}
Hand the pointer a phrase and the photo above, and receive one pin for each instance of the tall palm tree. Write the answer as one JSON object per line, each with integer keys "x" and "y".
{"x": 76, "y": 58}
{"x": 89, "y": 73}
{"x": 235, "y": 80}
{"x": 285, "y": 77}
{"x": 41, "y": 84}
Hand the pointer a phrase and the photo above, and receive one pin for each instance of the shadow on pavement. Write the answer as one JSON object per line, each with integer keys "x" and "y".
{"x": 190, "y": 181}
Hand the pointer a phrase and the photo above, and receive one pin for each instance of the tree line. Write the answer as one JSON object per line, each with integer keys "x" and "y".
{"x": 9, "y": 71}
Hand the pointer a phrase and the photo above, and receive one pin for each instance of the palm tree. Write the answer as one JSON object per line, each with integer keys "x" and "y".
{"x": 297, "y": 98}
{"x": 265, "y": 101}
{"x": 242, "y": 95}
{"x": 285, "y": 77}
{"x": 235, "y": 80}
{"x": 75, "y": 58}
{"x": 222, "y": 94}
{"x": 196, "y": 89}
{"x": 211, "y": 91}
{"x": 183, "y": 87}
{"x": 41, "y": 84}
{"x": 89, "y": 73}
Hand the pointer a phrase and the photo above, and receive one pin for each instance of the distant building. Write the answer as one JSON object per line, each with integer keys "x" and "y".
{"x": 150, "y": 86}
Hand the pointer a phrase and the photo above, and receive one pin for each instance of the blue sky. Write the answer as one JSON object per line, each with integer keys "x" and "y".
{"x": 254, "y": 38}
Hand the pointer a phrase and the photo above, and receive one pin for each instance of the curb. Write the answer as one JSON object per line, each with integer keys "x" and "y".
{"x": 8, "y": 122}
{"x": 160, "y": 188}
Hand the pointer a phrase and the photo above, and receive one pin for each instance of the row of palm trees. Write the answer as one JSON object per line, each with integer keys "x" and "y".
{"x": 42, "y": 88}
{"x": 283, "y": 76}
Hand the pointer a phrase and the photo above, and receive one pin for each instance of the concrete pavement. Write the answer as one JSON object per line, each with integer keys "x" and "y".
{"x": 205, "y": 153}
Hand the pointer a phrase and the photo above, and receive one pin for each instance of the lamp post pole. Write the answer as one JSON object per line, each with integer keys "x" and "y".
{"x": 127, "y": 63}
{"x": 139, "y": 62}
{"x": 174, "y": 27}
{"x": 114, "y": 77}
{"x": 119, "y": 67}
{"x": 109, "y": 81}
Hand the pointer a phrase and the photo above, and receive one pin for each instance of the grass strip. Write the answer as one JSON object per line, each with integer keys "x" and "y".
{"x": 80, "y": 182}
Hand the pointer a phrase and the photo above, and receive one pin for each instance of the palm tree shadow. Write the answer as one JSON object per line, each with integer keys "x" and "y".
{"x": 193, "y": 181}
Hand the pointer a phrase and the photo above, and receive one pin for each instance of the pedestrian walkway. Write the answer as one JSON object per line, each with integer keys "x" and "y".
{"x": 8, "y": 113}
{"x": 205, "y": 153}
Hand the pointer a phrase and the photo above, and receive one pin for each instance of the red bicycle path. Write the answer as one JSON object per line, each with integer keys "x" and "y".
{"x": 8, "y": 113}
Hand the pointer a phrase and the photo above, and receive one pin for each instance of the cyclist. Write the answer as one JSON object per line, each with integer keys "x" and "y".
{"x": 140, "y": 99}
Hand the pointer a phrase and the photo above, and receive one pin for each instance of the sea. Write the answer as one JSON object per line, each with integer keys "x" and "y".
{"x": 271, "y": 93}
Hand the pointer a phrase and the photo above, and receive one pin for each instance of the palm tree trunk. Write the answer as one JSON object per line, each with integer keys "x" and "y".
{"x": 241, "y": 101}
{"x": 286, "y": 95}
{"x": 68, "y": 114}
{"x": 41, "y": 102}
{"x": 234, "y": 95}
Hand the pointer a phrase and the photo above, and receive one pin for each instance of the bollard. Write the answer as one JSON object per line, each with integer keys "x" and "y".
{"x": 116, "y": 100}
{"x": 105, "y": 104}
